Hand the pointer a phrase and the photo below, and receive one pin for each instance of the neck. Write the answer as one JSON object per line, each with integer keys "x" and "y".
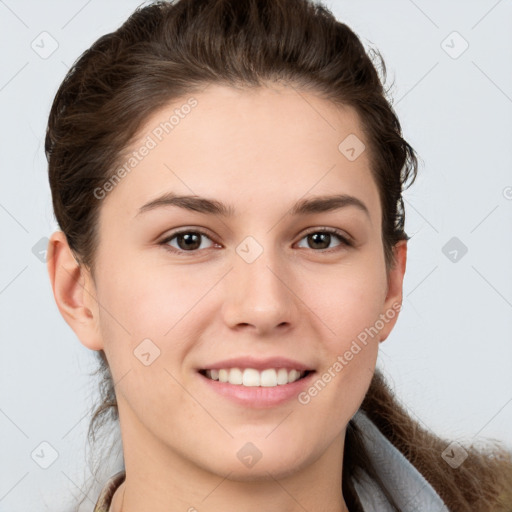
{"x": 279, "y": 498}
{"x": 161, "y": 480}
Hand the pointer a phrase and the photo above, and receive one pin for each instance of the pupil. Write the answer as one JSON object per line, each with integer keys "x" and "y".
{"x": 191, "y": 240}
{"x": 315, "y": 238}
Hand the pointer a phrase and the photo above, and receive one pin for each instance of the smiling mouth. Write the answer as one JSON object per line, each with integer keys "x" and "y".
{"x": 250, "y": 377}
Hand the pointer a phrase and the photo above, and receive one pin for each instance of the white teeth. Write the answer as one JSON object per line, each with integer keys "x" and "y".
{"x": 250, "y": 377}
{"x": 282, "y": 376}
{"x": 235, "y": 376}
{"x": 293, "y": 375}
{"x": 268, "y": 378}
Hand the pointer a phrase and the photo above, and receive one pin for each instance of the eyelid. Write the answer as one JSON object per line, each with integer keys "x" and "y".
{"x": 335, "y": 231}
{"x": 180, "y": 231}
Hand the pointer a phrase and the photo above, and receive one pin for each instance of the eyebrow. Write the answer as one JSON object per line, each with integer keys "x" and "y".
{"x": 310, "y": 206}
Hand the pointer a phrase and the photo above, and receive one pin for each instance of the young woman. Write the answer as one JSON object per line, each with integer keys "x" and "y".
{"x": 227, "y": 176}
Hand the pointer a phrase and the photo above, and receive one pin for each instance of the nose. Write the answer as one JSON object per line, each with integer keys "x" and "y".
{"x": 259, "y": 296}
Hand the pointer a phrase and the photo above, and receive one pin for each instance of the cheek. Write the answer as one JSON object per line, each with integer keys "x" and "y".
{"x": 347, "y": 303}
{"x": 143, "y": 323}
{"x": 149, "y": 300}
{"x": 156, "y": 310}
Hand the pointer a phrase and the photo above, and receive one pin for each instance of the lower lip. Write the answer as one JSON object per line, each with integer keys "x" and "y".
{"x": 259, "y": 396}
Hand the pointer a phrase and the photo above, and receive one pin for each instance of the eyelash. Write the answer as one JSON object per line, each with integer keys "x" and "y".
{"x": 345, "y": 242}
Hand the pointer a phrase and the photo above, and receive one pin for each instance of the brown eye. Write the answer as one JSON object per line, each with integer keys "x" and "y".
{"x": 321, "y": 239}
{"x": 186, "y": 241}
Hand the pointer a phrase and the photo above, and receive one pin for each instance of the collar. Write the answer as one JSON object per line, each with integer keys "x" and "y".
{"x": 402, "y": 480}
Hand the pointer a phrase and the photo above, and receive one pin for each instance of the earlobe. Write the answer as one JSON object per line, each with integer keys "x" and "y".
{"x": 73, "y": 290}
{"x": 394, "y": 297}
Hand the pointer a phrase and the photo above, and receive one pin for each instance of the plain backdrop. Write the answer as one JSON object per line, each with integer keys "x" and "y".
{"x": 449, "y": 357}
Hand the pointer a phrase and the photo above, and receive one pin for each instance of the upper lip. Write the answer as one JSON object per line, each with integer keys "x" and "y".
{"x": 258, "y": 364}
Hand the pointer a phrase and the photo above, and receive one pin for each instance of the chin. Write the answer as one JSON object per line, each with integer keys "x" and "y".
{"x": 264, "y": 469}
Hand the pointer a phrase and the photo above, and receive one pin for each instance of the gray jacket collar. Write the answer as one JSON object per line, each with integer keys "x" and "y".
{"x": 402, "y": 480}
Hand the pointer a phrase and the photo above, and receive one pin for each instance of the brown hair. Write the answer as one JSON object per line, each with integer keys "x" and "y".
{"x": 169, "y": 49}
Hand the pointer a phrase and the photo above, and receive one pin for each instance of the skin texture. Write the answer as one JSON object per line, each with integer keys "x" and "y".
{"x": 259, "y": 151}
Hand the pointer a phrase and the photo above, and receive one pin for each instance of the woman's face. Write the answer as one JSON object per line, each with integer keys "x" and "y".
{"x": 262, "y": 282}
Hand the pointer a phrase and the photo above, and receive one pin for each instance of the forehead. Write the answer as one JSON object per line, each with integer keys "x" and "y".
{"x": 247, "y": 146}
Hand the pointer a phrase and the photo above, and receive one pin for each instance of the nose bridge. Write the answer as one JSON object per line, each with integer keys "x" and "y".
{"x": 257, "y": 291}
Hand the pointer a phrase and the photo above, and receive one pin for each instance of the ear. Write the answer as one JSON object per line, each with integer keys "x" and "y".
{"x": 394, "y": 296}
{"x": 74, "y": 292}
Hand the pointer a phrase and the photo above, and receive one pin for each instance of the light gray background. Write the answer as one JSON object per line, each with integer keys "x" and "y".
{"x": 450, "y": 355}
